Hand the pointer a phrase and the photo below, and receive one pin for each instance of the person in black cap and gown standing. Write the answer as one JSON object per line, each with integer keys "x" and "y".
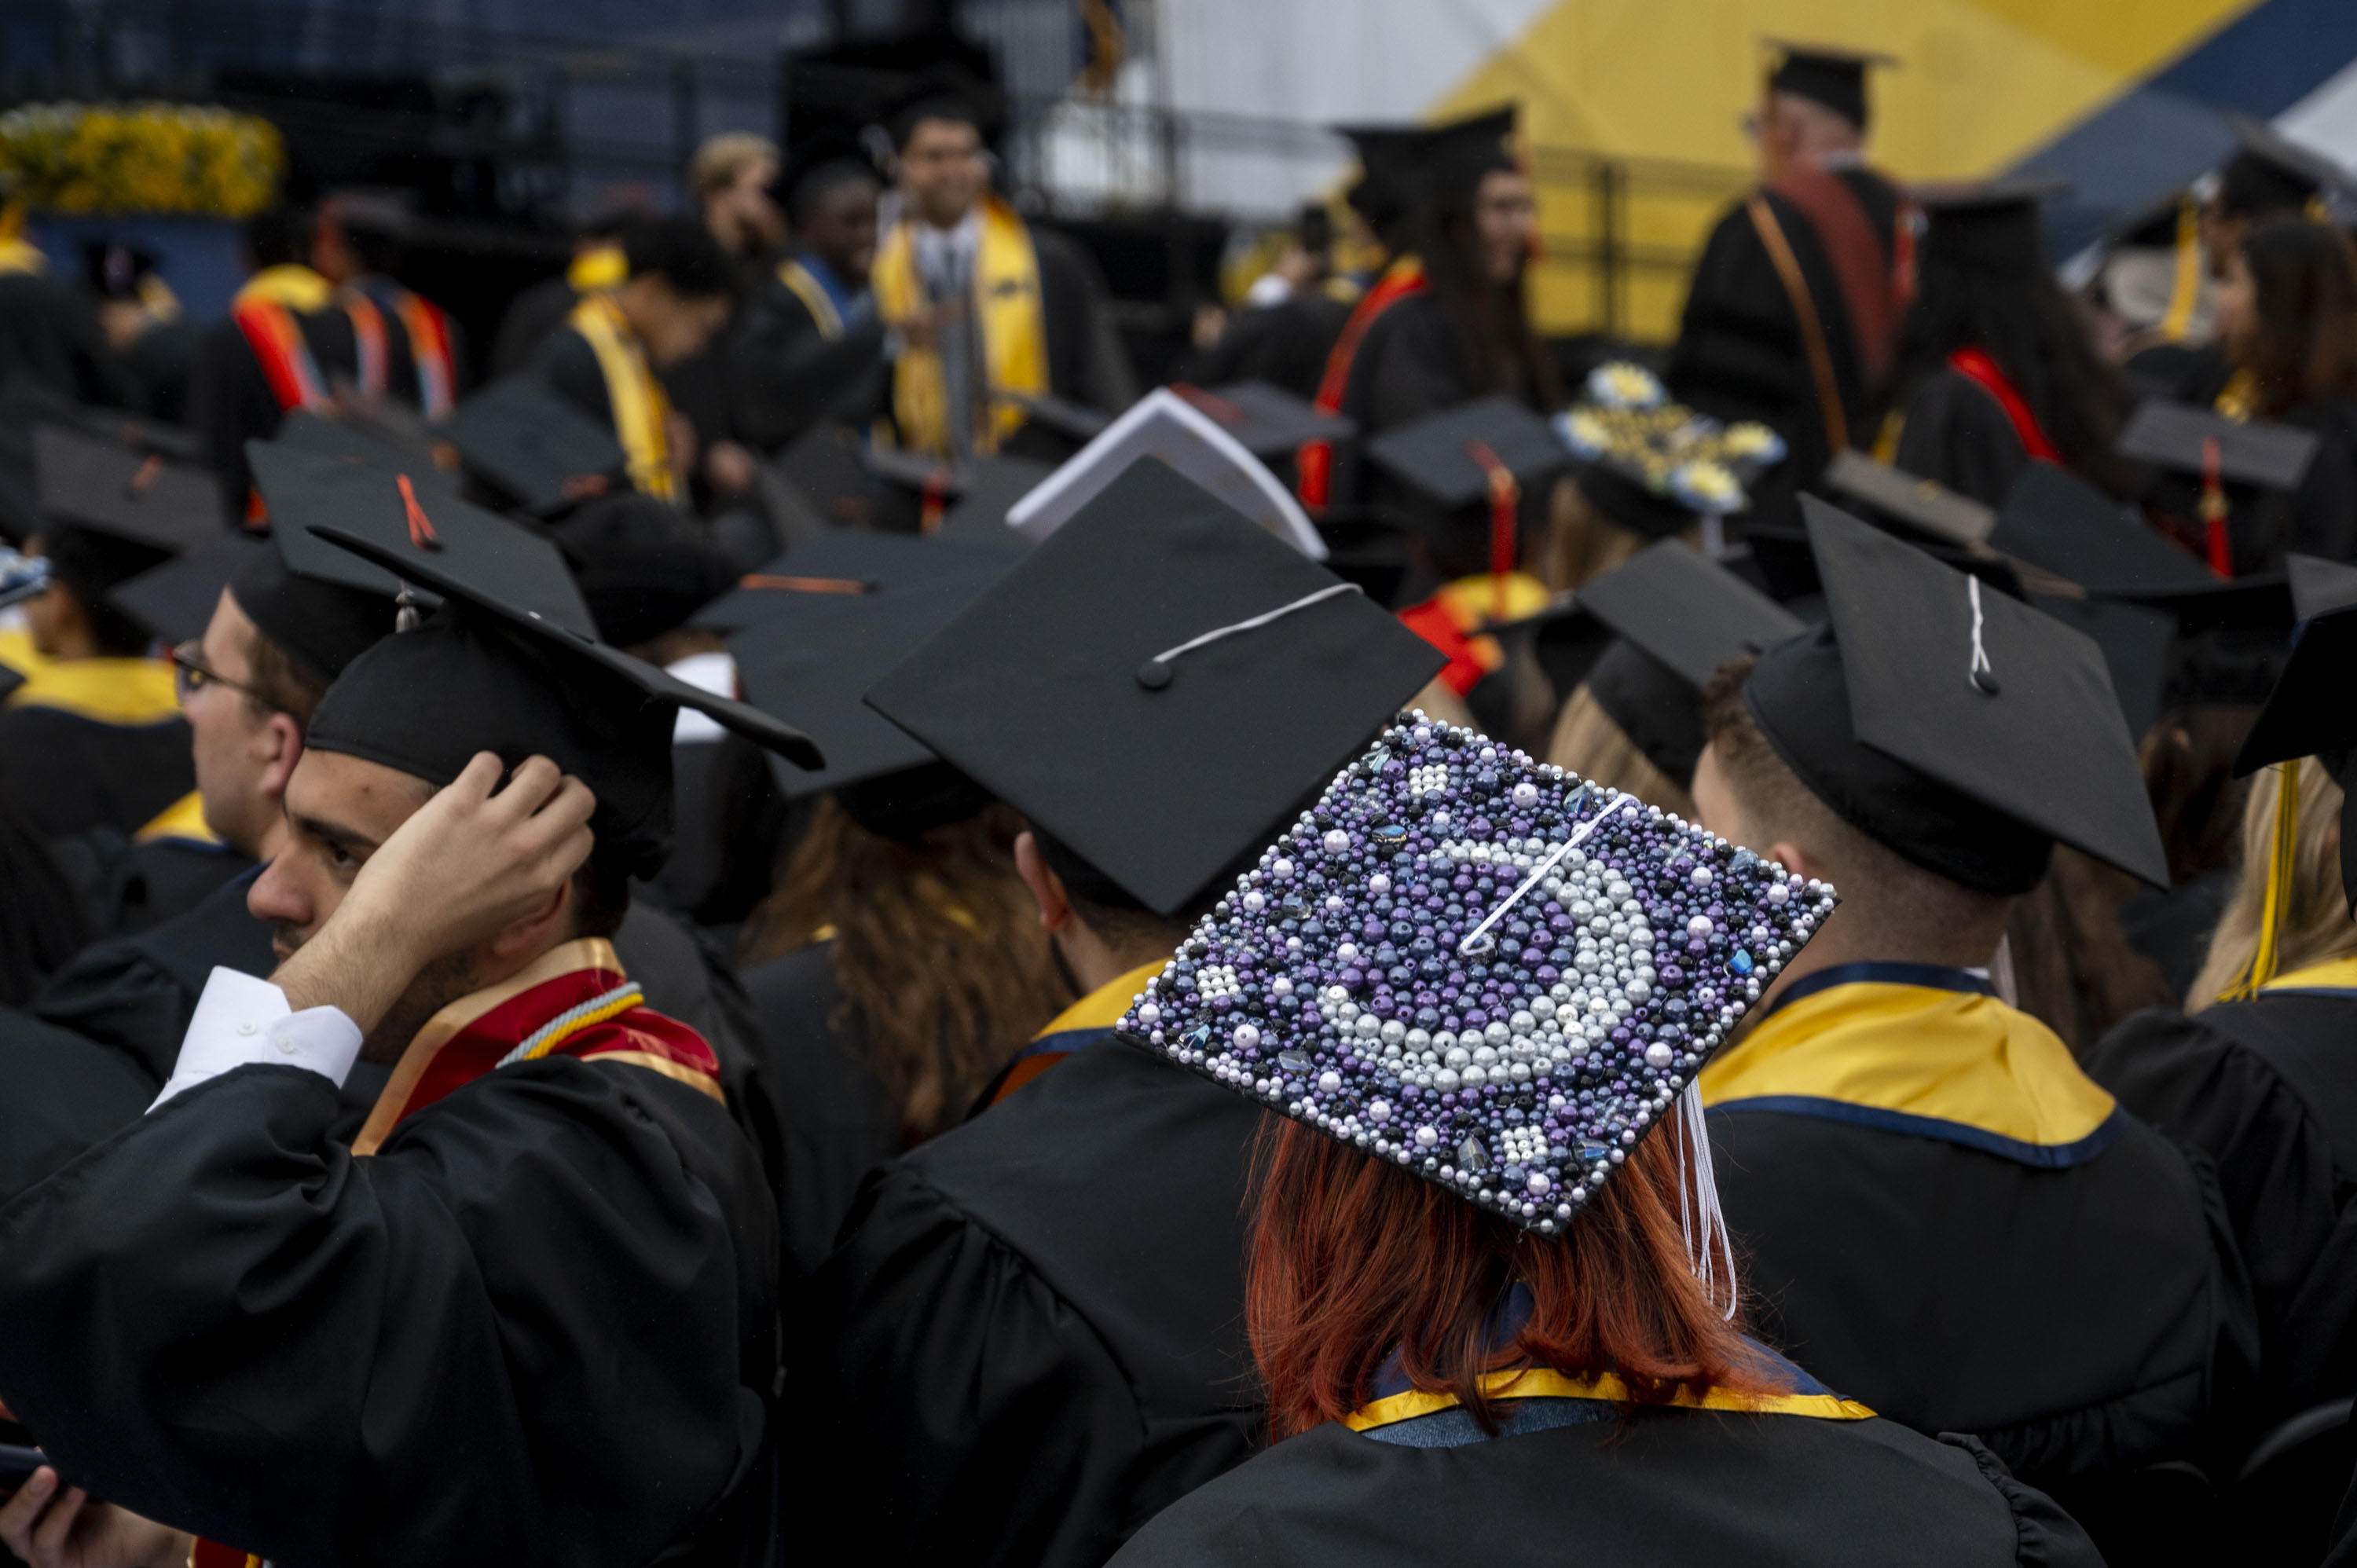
{"x": 1947, "y": 1217}
{"x": 1792, "y": 315}
{"x": 808, "y": 345}
{"x": 1463, "y": 1362}
{"x": 1995, "y": 369}
{"x": 548, "y": 1238}
{"x": 1029, "y": 1340}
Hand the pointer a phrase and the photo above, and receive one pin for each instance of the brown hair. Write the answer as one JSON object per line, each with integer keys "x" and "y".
{"x": 937, "y": 950}
{"x": 2315, "y": 920}
{"x": 1586, "y": 741}
{"x": 2188, "y": 758}
{"x": 2303, "y": 348}
{"x": 721, "y": 160}
{"x": 1880, "y": 888}
{"x": 281, "y": 681}
{"x": 1353, "y": 1258}
{"x": 2073, "y": 967}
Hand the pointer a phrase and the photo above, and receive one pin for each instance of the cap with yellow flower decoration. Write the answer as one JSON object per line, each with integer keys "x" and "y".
{"x": 1655, "y": 465}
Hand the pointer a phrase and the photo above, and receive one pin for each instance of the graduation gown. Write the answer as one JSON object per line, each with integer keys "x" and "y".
{"x": 48, "y": 332}
{"x": 91, "y": 743}
{"x": 1285, "y": 344}
{"x": 535, "y": 313}
{"x": 2266, "y": 1088}
{"x": 1030, "y": 1339}
{"x": 60, "y": 1094}
{"x": 167, "y": 868}
{"x": 231, "y": 399}
{"x": 1569, "y": 1480}
{"x": 1943, "y": 1218}
{"x": 1740, "y": 351}
{"x": 794, "y": 357}
{"x": 837, "y": 1123}
{"x": 1958, "y": 436}
{"x": 535, "y": 1325}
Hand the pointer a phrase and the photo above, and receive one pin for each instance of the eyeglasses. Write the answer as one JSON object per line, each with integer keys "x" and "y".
{"x": 190, "y": 673}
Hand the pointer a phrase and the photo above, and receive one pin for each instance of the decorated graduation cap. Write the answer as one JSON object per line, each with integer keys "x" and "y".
{"x": 1826, "y": 74}
{"x": 1987, "y": 226}
{"x": 816, "y": 656}
{"x": 1163, "y": 426}
{"x": 1655, "y": 466}
{"x": 508, "y": 665}
{"x": 1267, "y": 421}
{"x": 534, "y": 446}
{"x": 2270, "y": 173}
{"x": 1962, "y": 729}
{"x": 2308, "y": 714}
{"x": 1485, "y": 971}
{"x": 644, "y": 566}
{"x": 1676, "y": 617}
{"x": 1157, "y": 687}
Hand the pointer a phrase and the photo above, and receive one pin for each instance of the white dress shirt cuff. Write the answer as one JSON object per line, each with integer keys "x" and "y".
{"x": 240, "y": 1019}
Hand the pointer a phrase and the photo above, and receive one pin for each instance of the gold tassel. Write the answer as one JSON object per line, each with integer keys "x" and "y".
{"x": 2278, "y": 898}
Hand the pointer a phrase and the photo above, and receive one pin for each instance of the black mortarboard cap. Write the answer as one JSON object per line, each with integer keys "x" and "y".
{"x": 308, "y": 494}
{"x": 2136, "y": 641}
{"x": 1826, "y": 74}
{"x": 1448, "y": 161}
{"x": 1988, "y": 226}
{"x": 1962, "y": 729}
{"x": 1077, "y": 690}
{"x": 103, "y": 486}
{"x": 534, "y": 446}
{"x": 1924, "y": 505}
{"x": 27, "y": 402}
{"x": 817, "y": 655}
{"x": 1385, "y": 171}
{"x": 2269, "y": 172}
{"x": 1676, "y": 618}
{"x": 993, "y": 485}
{"x": 176, "y": 600}
{"x": 848, "y": 562}
{"x": 1076, "y": 421}
{"x": 308, "y": 432}
{"x": 2309, "y": 715}
{"x": 2319, "y": 586}
{"x": 644, "y": 566}
{"x": 2173, "y": 435}
{"x": 1434, "y": 454}
{"x": 2059, "y": 523}
{"x": 1267, "y": 421}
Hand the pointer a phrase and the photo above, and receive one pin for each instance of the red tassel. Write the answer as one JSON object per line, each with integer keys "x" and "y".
{"x": 2213, "y": 510}
{"x": 420, "y": 527}
{"x": 1505, "y": 502}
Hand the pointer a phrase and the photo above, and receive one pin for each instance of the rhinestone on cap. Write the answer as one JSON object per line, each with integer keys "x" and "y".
{"x": 1487, "y": 970}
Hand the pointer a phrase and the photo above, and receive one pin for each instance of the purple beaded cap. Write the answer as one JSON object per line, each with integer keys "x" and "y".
{"x": 1351, "y": 981}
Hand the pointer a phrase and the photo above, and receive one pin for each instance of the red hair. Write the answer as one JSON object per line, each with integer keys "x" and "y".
{"x": 1353, "y": 1258}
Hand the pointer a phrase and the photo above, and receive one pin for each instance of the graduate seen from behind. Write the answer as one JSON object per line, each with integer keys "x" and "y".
{"x": 1948, "y": 1219}
{"x": 680, "y": 288}
{"x": 1484, "y": 1281}
{"x": 548, "y": 1236}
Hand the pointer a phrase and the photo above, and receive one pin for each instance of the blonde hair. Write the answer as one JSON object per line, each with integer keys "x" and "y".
{"x": 2312, "y": 921}
{"x": 720, "y": 161}
{"x": 1587, "y": 741}
{"x": 1582, "y": 544}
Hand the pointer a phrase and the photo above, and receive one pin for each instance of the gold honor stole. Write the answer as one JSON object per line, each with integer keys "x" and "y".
{"x": 637, "y": 398}
{"x": 127, "y": 693}
{"x": 573, "y": 1001}
{"x": 813, "y": 296}
{"x": 1010, "y": 312}
{"x": 1077, "y": 1027}
{"x": 2333, "y": 975}
{"x": 1544, "y": 1382}
{"x": 182, "y": 821}
{"x": 1923, "y": 1050}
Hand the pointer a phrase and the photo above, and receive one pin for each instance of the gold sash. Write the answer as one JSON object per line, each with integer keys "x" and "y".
{"x": 1011, "y": 316}
{"x": 813, "y": 296}
{"x": 640, "y": 407}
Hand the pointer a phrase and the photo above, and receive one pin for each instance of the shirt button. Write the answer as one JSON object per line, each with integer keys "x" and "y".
{"x": 286, "y": 1045}
{"x": 246, "y": 1027}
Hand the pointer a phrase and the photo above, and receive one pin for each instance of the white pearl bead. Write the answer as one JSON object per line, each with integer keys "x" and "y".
{"x": 1336, "y": 841}
{"x": 1281, "y": 868}
{"x": 1247, "y": 1037}
{"x": 1659, "y": 1055}
{"x": 1328, "y": 1082}
{"x": 1698, "y": 925}
{"x": 1379, "y": 883}
{"x": 1149, "y": 1014}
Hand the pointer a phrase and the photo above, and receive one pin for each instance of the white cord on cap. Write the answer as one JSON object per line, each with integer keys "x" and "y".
{"x": 1256, "y": 622}
{"x": 1477, "y": 934}
{"x": 1700, "y": 1219}
{"x": 1984, "y": 683}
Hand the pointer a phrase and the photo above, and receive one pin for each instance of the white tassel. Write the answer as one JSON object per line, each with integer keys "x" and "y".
{"x": 1700, "y": 1220}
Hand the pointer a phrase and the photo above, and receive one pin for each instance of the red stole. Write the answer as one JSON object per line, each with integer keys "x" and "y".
{"x": 1981, "y": 370}
{"x": 1315, "y": 461}
{"x": 276, "y": 339}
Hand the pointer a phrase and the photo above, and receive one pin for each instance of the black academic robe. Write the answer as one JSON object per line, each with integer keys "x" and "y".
{"x": 535, "y": 312}
{"x": 66, "y": 772}
{"x": 60, "y": 1094}
{"x": 48, "y": 331}
{"x": 838, "y": 1121}
{"x": 1031, "y": 1340}
{"x": 130, "y": 884}
{"x": 1740, "y": 352}
{"x": 1958, "y": 436}
{"x": 1285, "y": 344}
{"x": 2267, "y": 1088}
{"x": 564, "y": 359}
{"x": 1086, "y": 360}
{"x": 231, "y": 402}
{"x": 537, "y": 1325}
{"x": 784, "y": 374}
{"x": 1698, "y": 1488}
{"x": 160, "y": 366}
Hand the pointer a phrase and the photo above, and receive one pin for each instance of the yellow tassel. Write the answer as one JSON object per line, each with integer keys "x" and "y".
{"x": 2279, "y": 873}
{"x": 2187, "y": 290}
